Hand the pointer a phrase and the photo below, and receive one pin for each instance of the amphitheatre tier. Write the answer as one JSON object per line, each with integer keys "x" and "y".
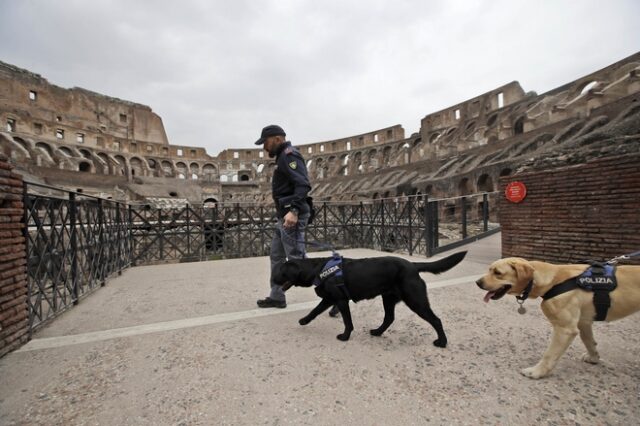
{"x": 81, "y": 140}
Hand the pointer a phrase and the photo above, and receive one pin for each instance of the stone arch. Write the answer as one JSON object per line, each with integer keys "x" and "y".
{"x": 23, "y": 144}
{"x": 485, "y": 183}
{"x": 85, "y": 153}
{"x": 243, "y": 177}
{"x": 105, "y": 163}
{"x": 518, "y": 126}
{"x": 492, "y": 120}
{"x": 136, "y": 166}
{"x": 181, "y": 170}
{"x": 167, "y": 168}
{"x": 465, "y": 187}
{"x": 45, "y": 147}
{"x": 386, "y": 156}
{"x": 434, "y": 137}
{"x": 505, "y": 172}
{"x": 66, "y": 151}
{"x": 210, "y": 202}
{"x": 84, "y": 167}
{"x": 121, "y": 167}
{"x": 209, "y": 171}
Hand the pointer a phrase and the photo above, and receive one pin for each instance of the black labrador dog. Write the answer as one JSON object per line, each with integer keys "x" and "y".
{"x": 393, "y": 278}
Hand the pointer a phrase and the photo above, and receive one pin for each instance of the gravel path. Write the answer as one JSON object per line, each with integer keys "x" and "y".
{"x": 269, "y": 370}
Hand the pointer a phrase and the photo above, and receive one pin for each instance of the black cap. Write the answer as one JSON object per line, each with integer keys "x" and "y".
{"x": 271, "y": 130}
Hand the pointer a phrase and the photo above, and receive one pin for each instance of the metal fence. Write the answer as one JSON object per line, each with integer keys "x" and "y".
{"x": 414, "y": 225}
{"x": 75, "y": 242}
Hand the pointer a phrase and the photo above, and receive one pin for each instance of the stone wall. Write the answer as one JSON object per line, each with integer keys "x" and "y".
{"x": 14, "y": 316}
{"x": 575, "y": 213}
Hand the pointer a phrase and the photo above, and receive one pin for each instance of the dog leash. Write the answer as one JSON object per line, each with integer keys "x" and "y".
{"x": 616, "y": 259}
{"x": 311, "y": 243}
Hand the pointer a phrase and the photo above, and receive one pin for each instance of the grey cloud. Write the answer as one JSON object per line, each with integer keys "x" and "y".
{"x": 217, "y": 71}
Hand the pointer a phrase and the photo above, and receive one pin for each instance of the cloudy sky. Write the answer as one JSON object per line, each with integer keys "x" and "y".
{"x": 218, "y": 71}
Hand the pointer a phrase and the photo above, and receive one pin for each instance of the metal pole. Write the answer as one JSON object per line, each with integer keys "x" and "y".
{"x": 74, "y": 247}
{"x": 485, "y": 212}
{"x": 464, "y": 217}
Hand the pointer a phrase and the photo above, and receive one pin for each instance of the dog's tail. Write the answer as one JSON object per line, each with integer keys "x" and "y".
{"x": 441, "y": 265}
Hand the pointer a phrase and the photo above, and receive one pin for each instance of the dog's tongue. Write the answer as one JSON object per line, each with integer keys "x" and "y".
{"x": 488, "y": 296}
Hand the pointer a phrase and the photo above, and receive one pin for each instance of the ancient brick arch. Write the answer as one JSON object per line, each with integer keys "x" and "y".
{"x": 136, "y": 166}
{"x": 485, "y": 183}
{"x": 121, "y": 166}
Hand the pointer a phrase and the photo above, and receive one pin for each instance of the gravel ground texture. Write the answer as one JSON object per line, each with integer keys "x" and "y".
{"x": 225, "y": 365}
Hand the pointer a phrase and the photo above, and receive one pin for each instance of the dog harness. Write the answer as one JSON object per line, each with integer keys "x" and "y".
{"x": 599, "y": 278}
{"x": 332, "y": 270}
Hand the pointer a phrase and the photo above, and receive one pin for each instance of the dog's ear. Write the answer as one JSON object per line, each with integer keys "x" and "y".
{"x": 524, "y": 270}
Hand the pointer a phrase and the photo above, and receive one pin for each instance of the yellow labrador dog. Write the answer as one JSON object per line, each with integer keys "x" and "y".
{"x": 570, "y": 312}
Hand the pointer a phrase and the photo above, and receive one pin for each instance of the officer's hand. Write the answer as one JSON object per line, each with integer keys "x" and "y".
{"x": 290, "y": 220}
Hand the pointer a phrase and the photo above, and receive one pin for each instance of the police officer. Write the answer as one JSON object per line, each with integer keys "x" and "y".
{"x": 290, "y": 186}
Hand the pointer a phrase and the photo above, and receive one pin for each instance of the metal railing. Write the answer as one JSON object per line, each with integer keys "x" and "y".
{"x": 75, "y": 241}
{"x": 414, "y": 225}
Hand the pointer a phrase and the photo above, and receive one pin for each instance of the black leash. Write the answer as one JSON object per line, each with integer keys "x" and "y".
{"x": 318, "y": 244}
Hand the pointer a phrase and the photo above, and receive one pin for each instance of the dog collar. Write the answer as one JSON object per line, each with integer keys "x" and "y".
{"x": 524, "y": 296}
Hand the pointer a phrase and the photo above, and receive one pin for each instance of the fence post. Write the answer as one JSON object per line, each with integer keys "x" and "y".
{"x": 362, "y": 239}
{"x": 324, "y": 220}
{"x": 130, "y": 224}
{"x": 118, "y": 226}
{"x": 485, "y": 212}
{"x": 383, "y": 234}
{"x": 410, "y": 211}
{"x": 74, "y": 247}
{"x": 160, "y": 235}
{"x": 428, "y": 226}
{"x": 101, "y": 242}
{"x": 464, "y": 217}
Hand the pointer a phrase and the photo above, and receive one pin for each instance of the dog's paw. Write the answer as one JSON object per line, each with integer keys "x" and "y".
{"x": 441, "y": 343}
{"x": 376, "y": 332}
{"x": 304, "y": 321}
{"x": 532, "y": 373}
{"x": 343, "y": 337}
{"x": 591, "y": 359}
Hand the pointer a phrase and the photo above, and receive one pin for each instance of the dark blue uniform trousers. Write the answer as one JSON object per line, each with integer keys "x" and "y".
{"x": 287, "y": 243}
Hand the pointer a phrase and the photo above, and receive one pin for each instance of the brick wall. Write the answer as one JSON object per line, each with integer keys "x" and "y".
{"x": 587, "y": 211}
{"x": 13, "y": 277}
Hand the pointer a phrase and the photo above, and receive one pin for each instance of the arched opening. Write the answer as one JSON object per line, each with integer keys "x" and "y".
{"x": 85, "y": 153}
{"x": 173, "y": 194}
{"x": 244, "y": 177}
{"x": 485, "y": 183}
{"x": 84, "y": 167}
{"x": 464, "y": 187}
{"x": 505, "y": 172}
{"x": 492, "y": 120}
{"x": 210, "y": 202}
{"x": 518, "y": 127}
{"x": 66, "y": 151}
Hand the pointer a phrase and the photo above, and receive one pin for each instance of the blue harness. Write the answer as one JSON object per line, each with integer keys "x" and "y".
{"x": 332, "y": 270}
{"x": 598, "y": 278}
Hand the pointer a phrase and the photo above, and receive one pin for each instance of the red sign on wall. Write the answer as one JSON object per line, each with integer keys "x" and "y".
{"x": 515, "y": 192}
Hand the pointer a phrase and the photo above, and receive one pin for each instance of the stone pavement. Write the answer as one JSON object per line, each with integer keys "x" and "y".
{"x": 184, "y": 344}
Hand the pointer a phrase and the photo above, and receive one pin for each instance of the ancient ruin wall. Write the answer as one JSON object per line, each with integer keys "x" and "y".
{"x": 494, "y": 131}
{"x": 14, "y": 316}
{"x": 571, "y": 214}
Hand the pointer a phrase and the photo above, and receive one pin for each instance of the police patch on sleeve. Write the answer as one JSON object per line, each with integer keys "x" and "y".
{"x": 293, "y": 165}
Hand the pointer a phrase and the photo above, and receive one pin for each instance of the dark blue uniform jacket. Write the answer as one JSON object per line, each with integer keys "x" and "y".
{"x": 290, "y": 184}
